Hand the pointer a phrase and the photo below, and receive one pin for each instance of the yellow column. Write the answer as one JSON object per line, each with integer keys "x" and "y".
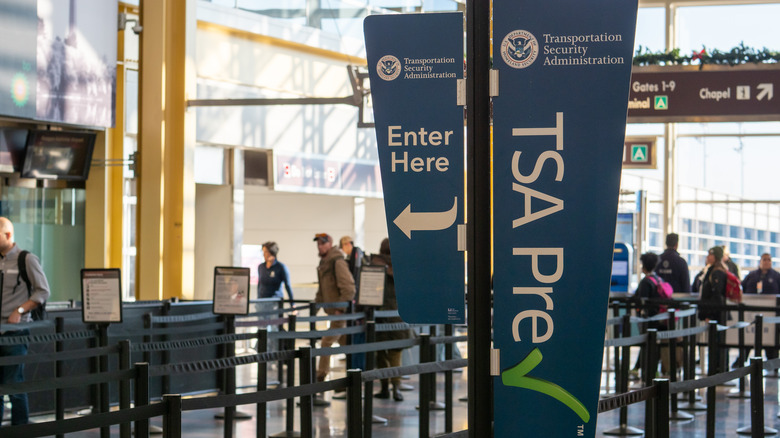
{"x": 166, "y": 188}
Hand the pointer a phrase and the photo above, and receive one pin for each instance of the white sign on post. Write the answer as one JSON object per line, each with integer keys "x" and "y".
{"x": 101, "y": 295}
{"x": 231, "y": 291}
{"x": 372, "y": 286}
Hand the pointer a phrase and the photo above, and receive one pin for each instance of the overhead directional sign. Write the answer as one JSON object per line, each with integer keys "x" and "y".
{"x": 715, "y": 94}
{"x": 415, "y": 63}
{"x": 558, "y": 128}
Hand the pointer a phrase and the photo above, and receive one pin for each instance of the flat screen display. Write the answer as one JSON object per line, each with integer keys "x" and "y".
{"x": 12, "y": 144}
{"x": 58, "y": 155}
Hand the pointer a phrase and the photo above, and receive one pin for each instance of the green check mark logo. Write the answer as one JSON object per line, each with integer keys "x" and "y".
{"x": 517, "y": 376}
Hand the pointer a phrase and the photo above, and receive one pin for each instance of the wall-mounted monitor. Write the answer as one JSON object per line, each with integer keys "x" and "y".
{"x": 64, "y": 155}
{"x": 12, "y": 144}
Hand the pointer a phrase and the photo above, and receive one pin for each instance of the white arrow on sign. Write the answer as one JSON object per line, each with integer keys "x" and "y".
{"x": 767, "y": 90}
{"x": 408, "y": 221}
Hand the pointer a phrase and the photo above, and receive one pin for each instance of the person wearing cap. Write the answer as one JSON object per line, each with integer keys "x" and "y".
{"x": 354, "y": 255}
{"x": 336, "y": 284}
{"x": 728, "y": 263}
{"x": 272, "y": 274}
{"x": 713, "y": 286}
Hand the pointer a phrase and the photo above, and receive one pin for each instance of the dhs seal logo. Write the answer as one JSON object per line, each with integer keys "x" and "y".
{"x": 519, "y": 49}
{"x": 388, "y": 67}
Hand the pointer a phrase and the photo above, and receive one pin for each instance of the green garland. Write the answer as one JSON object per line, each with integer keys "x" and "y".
{"x": 737, "y": 55}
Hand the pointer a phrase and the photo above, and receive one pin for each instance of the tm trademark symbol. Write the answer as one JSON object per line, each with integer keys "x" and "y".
{"x": 581, "y": 430}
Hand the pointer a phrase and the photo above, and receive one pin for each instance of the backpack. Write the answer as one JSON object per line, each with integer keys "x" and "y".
{"x": 38, "y": 313}
{"x": 733, "y": 288}
{"x": 663, "y": 289}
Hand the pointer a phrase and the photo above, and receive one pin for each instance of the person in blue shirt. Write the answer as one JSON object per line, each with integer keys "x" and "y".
{"x": 763, "y": 280}
{"x": 272, "y": 274}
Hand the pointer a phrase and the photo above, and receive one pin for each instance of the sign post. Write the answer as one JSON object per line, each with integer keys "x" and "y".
{"x": 415, "y": 65}
{"x": 563, "y": 69}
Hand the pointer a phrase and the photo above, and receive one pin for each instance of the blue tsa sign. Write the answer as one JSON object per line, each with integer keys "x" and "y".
{"x": 415, "y": 64}
{"x": 559, "y": 119}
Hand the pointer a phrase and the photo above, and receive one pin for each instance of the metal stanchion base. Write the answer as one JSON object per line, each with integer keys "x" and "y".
{"x": 624, "y": 430}
{"x": 695, "y": 406}
{"x": 434, "y": 406}
{"x": 405, "y": 387}
{"x": 238, "y": 416}
{"x": 748, "y": 430}
{"x": 680, "y": 416}
{"x": 376, "y": 419}
{"x": 286, "y": 434}
{"x": 739, "y": 394}
{"x": 155, "y": 430}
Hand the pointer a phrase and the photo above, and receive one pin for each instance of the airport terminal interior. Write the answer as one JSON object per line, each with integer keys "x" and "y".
{"x": 189, "y": 133}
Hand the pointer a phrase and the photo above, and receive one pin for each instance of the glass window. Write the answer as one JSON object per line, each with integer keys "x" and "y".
{"x": 761, "y": 236}
{"x": 750, "y": 249}
{"x": 749, "y": 233}
{"x": 773, "y": 237}
{"x": 702, "y": 26}
{"x": 654, "y": 220}
{"x": 655, "y": 239}
{"x": 649, "y": 25}
{"x": 734, "y": 247}
{"x": 720, "y": 230}
{"x": 688, "y": 225}
{"x": 705, "y": 227}
{"x": 735, "y": 232}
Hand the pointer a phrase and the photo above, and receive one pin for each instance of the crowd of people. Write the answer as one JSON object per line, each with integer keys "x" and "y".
{"x": 710, "y": 284}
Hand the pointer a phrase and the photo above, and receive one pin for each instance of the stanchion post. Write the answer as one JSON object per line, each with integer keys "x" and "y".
{"x": 712, "y": 367}
{"x": 690, "y": 370}
{"x": 142, "y": 397}
{"x": 166, "y": 354}
{"x": 661, "y": 401}
{"x": 742, "y": 351}
{"x": 448, "y": 382}
{"x": 354, "y": 427}
{"x": 759, "y": 337}
{"x": 230, "y": 376}
{"x": 425, "y": 386}
{"x": 350, "y": 323}
{"x": 105, "y": 432}
{"x": 124, "y": 386}
{"x": 59, "y": 395}
{"x": 290, "y": 419}
{"x": 616, "y": 350}
{"x": 313, "y": 324}
{"x": 368, "y": 401}
{"x": 305, "y": 377}
{"x": 262, "y": 384}
{"x": 172, "y": 416}
{"x": 650, "y": 369}
{"x": 625, "y": 361}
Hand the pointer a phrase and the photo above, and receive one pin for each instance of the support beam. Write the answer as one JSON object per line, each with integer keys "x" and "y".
{"x": 166, "y": 188}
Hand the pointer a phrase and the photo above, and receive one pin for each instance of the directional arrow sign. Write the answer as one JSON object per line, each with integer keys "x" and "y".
{"x": 408, "y": 221}
{"x": 415, "y": 63}
{"x": 767, "y": 90}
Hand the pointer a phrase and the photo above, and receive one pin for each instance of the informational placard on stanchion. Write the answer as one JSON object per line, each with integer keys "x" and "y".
{"x": 101, "y": 295}
{"x": 231, "y": 291}
{"x": 372, "y": 286}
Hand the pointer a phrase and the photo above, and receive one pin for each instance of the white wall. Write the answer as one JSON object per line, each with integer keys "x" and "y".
{"x": 292, "y": 220}
{"x": 213, "y": 235}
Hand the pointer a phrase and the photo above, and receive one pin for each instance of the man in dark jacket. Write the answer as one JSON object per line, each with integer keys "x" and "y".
{"x": 673, "y": 268}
